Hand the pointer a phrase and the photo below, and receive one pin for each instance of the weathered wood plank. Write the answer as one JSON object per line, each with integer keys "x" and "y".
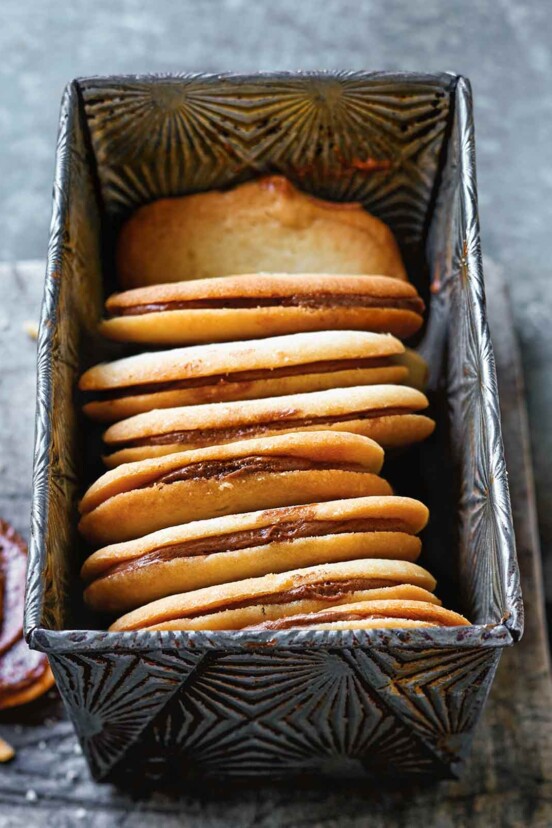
{"x": 508, "y": 779}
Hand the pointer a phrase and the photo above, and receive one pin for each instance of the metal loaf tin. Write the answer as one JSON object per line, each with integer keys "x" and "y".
{"x": 400, "y": 702}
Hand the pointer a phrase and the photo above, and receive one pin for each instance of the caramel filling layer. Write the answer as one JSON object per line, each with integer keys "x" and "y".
{"x": 244, "y": 431}
{"x": 261, "y": 536}
{"x": 321, "y": 367}
{"x": 318, "y": 301}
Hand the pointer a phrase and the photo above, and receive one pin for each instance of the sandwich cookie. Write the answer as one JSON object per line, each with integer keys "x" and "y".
{"x": 255, "y": 369}
{"x": 256, "y": 600}
{"x": 364, "y": 615}
{"x": 288, "y": 469}
{"x": 263, "y": 225}
{"x": 13, "y": 568}
{"x": 386, "y": 413}
{"x": 262, "y": 304}
{"x": 217, "y": 551}
{"x": 24, "y": 673}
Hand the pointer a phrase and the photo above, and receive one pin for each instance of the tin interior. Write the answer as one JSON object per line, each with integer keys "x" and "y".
{"x": 396, "y": 143}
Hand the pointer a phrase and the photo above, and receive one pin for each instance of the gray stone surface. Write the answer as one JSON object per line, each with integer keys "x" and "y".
{"x": 504, "y": 46}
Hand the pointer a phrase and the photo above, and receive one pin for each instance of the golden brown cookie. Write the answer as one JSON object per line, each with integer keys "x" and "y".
{"x": 386, "y": 413}
{"x": 256, "y": 600}
{"x": 208, "y": 552}
{"x": 260, "y": 305}
{"x": 362, "y": 615}
{"x": 271, "y": 367}
{"x": 288, "y": 469}
{"x": 265, "y": 225}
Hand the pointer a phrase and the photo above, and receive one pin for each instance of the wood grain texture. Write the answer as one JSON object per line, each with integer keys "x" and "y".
{"x": 508, "y": 779}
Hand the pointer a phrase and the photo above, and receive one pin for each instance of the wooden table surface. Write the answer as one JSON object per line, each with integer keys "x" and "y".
{"x": 507, "y": 780}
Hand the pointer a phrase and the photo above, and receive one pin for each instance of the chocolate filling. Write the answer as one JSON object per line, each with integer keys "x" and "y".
{"x": 240, "y": 466}
{"x": 239, "y": 432}
{"x": 319, "y": 301}
{"x": 322, "y": 367}
{"x": 261, "y": 536}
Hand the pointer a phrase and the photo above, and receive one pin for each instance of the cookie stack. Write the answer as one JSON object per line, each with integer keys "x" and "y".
{"x": 244, "y": 487}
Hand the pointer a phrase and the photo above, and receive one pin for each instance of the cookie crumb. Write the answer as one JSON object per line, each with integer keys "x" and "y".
{"x": 31, "y": 329}
{"x": 6, "y": 751}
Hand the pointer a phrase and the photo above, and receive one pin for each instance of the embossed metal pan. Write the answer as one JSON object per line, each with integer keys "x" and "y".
{"x": 240, "y": 703}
